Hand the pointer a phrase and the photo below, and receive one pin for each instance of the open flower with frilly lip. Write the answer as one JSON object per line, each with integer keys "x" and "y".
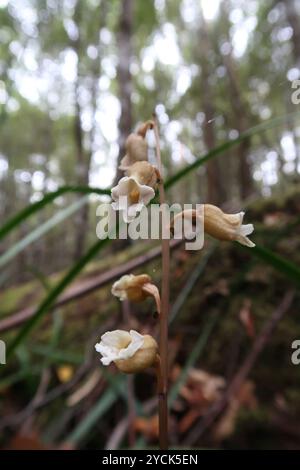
{"x": 224, "y": 227}
{"x": 136, "y": 147}
{"x": 130, "y": 351}
{"x": 135, "y": 190}
{"x": 130, "y": 197}
{"x": 136, "y": 289}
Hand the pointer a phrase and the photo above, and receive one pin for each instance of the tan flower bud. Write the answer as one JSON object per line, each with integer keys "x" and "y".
{"x": 144, "y": 173}
{"x": 130, "y": 351}
{"x": 136, "y": 146}
{"x": 143, "y": 128}
{"x": 131, "y": 287}
{"x": 226, "y": 226}
{"x": 136, "y": 150}
{"x": 145, "y": 357}
{"x": 136, "y": 289}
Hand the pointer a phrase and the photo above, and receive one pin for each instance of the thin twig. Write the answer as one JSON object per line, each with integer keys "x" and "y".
{"x": 15, "y": 419}
{"x": 258, "y": 345}
{"x": 163, "y": 317}
{"x": 39, "y": 395}
{"x": 85, "y": 287}
{"x": 118, "y": 433}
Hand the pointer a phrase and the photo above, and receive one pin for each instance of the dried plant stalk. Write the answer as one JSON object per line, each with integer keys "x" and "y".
{"x": 163, "y": 317}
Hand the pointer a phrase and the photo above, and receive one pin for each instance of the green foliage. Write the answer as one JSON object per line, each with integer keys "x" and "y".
{"x": 33, "y": 208}
{"x": 284, "y": 267}
{"x": 54, "y": 293}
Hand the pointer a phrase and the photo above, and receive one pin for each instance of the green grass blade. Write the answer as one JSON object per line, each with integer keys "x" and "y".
{"x": 285, "y": 267}
{"x": 187, "y": 288}
{"x": 193, "y": 357}
{"x": 57, "y": 356}
{"x": 47, "y": 199}
{"x": 54, "y": 293}
{"x": 21, "y": 374}
{"x": 41, "y": 230}
{"x": 93, "y": 416}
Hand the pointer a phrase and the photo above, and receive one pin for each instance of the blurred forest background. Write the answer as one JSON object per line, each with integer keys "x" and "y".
{"x": 76, "y": 77}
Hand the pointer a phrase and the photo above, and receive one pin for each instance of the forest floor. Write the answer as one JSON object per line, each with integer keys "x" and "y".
{"x": 56, "y": 394}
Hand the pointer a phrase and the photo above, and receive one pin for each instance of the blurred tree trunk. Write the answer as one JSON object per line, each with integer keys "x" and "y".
{"x": 96, "y": 73}
{"x": 124, "y": 40}
{"x": 215, "y": 184}
{"x": 294, "y": 21}
{"x": 240, "y": 115}
{"x": 83, "y": 157}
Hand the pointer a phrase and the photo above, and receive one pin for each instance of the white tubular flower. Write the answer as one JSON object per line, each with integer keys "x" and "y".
{"x": 131, "y": 352}
{"x": 227, "y": 226}
{"x": 135, "y": 190}
{"x": 130, "y": 197}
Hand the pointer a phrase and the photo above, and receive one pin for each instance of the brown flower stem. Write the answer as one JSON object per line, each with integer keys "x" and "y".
{"x": 158, "y": 374}
{"x": 152, "y": 290}
{"x": 163, "y": 317}
{"x": 162, "y": 405}
{"x": 131, "y": 411}
{"x": 142, "y": 130}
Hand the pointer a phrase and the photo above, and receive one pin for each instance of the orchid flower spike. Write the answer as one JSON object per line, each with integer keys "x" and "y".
{"x": 130, "y": 351}
{"x": 136, "y": 289}
{"x": 136, "y": 146}
{"x": 135, "y": 190}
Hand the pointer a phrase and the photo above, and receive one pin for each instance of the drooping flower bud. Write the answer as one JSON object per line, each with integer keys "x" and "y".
{"x": 227, "y": 226}
{"x": 131, "y": 287}
{"x": 144, "y": 127}
{"x": 130, "y": 351}
{"x": 224, "y": 227}
{"x": 136, "y": 289}
{"x": 136, "y": 147}
{"x": 136, "y": 150}
{"x": 144, "y": 173}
